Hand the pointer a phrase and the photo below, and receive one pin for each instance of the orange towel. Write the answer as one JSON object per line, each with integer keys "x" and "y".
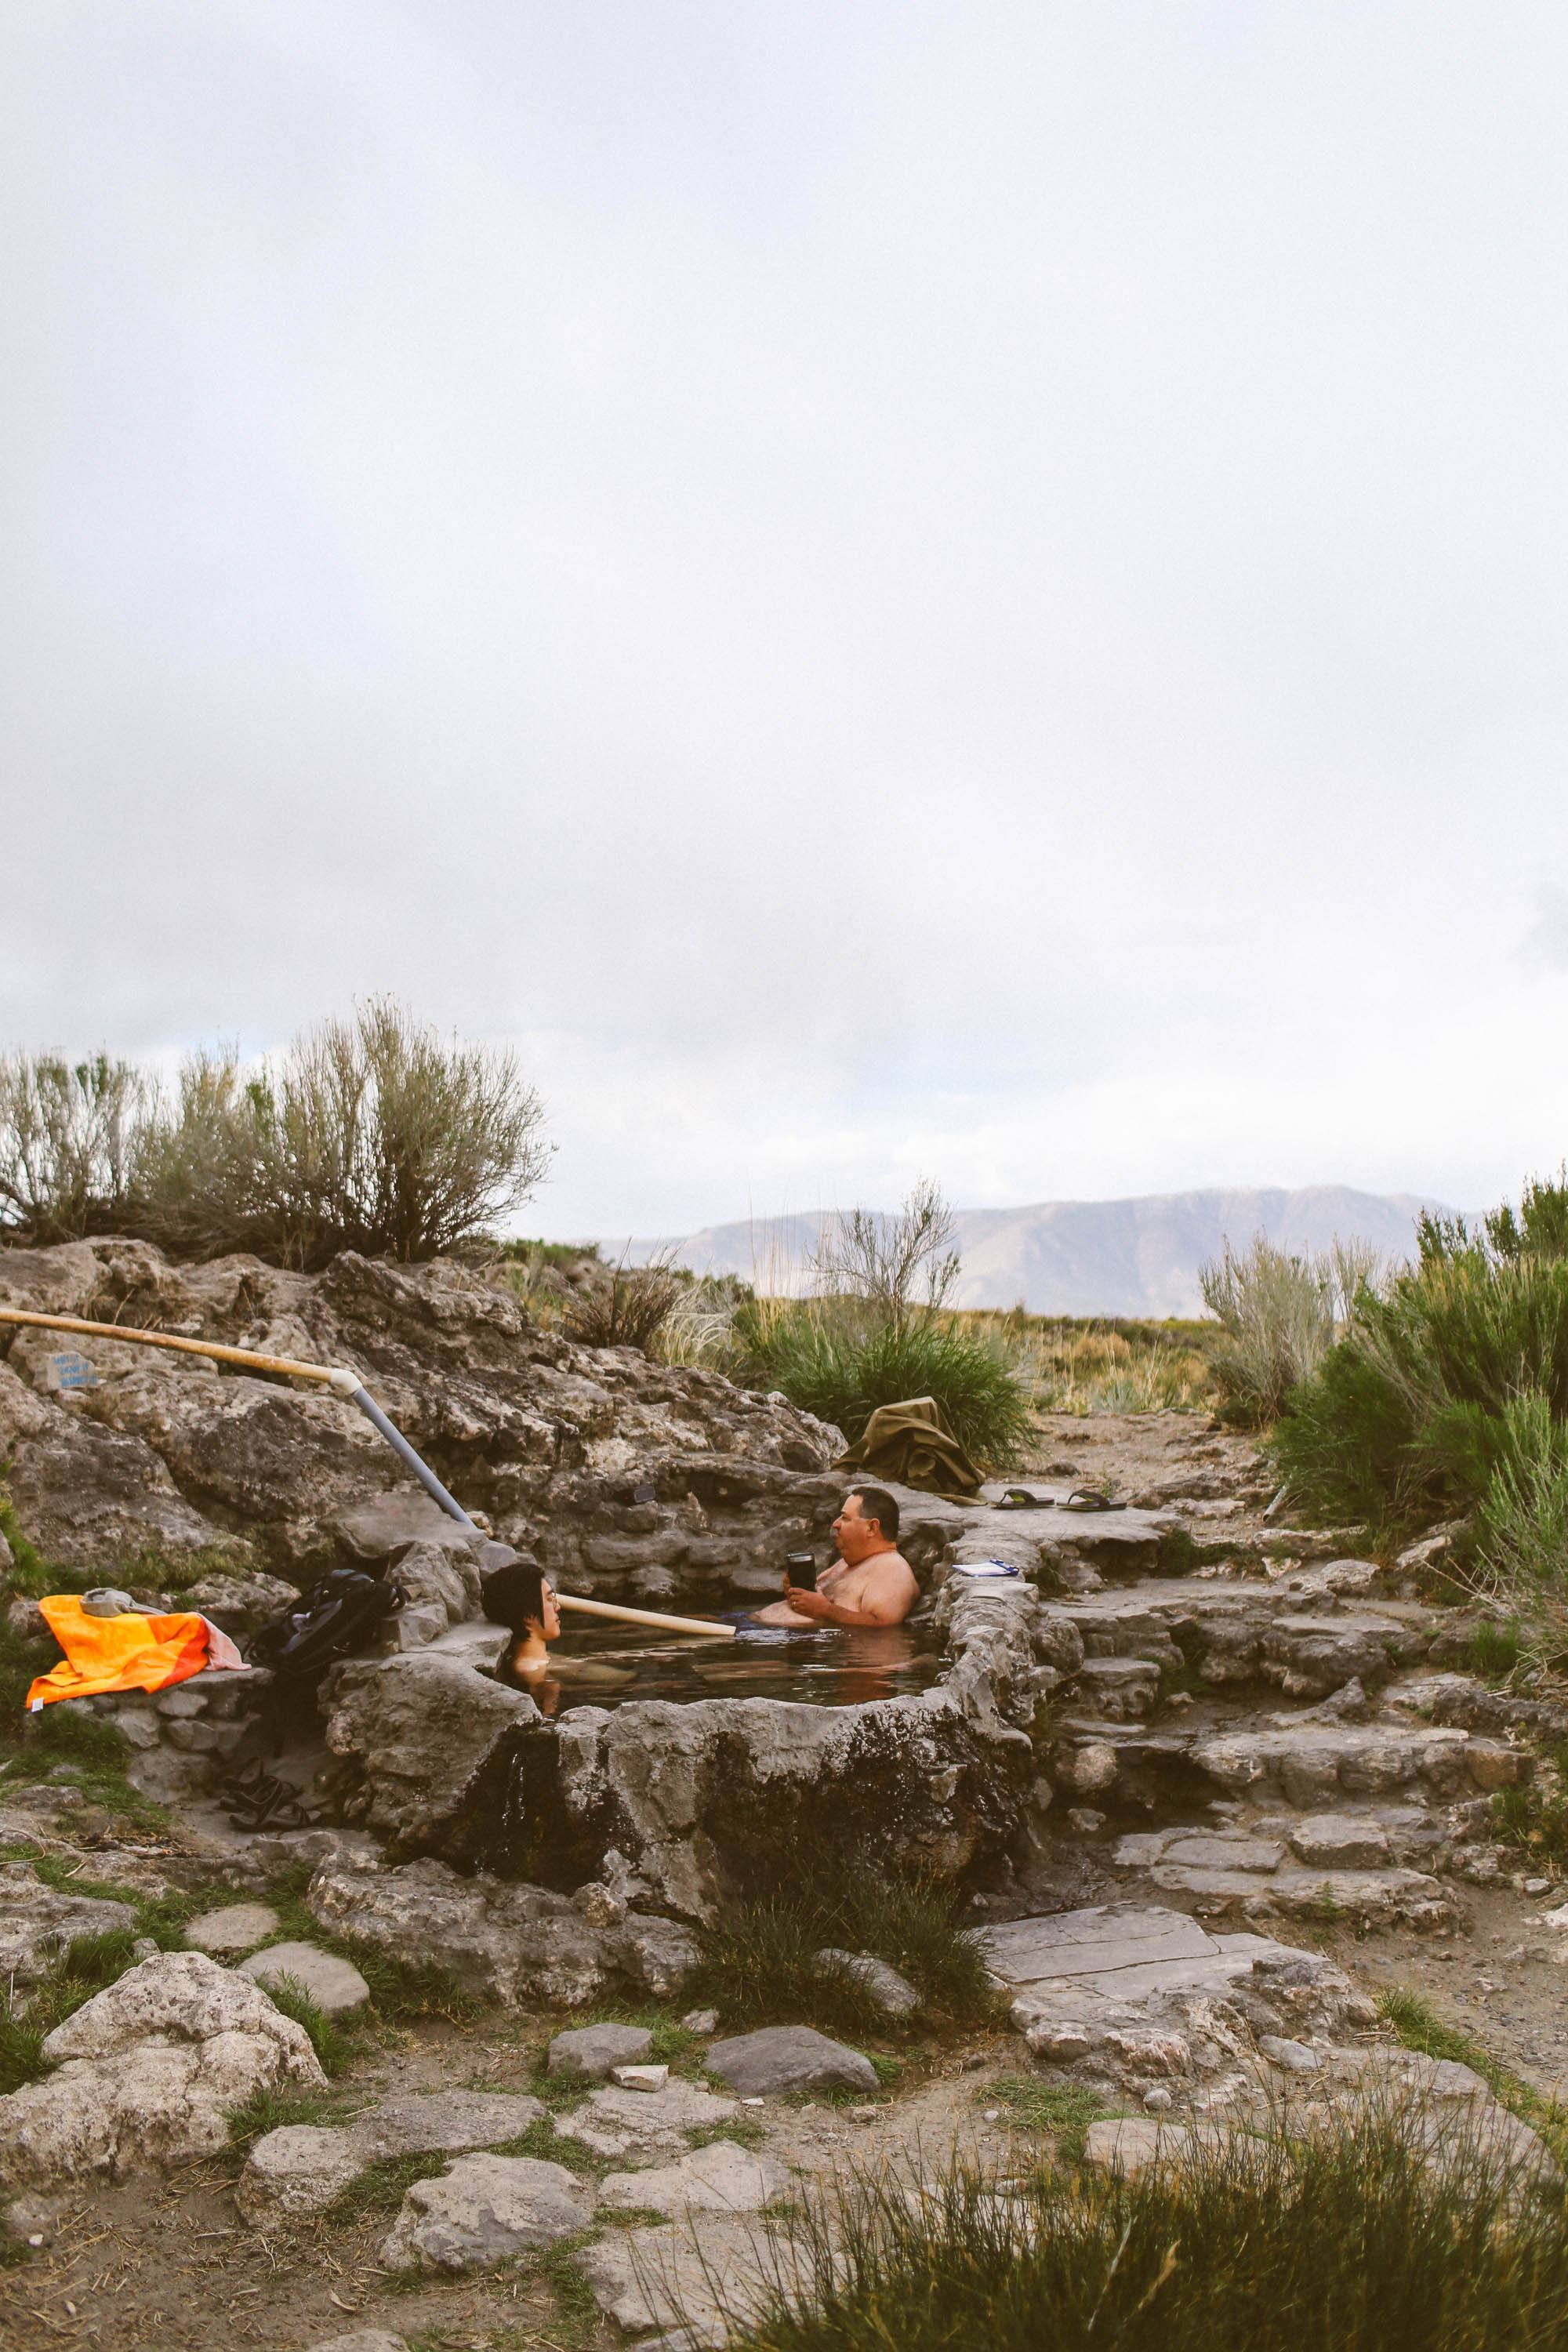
{"x": 113, "y": 1653}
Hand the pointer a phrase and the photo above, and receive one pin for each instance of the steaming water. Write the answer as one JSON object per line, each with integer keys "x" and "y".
{"x": 833, "y": 1665}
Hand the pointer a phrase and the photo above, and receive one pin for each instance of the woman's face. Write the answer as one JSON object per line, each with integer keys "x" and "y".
{"x": 549, "y": 1623}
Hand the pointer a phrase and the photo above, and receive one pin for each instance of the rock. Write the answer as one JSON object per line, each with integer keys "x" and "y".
{"x": 640, "y": 2078}
{"x": 418, "y": 2123}
{"x": 718, "y": 2179}
{"x": 421, "y": 1727}
{"x": 147, "y": 2073}
{"x": 701, "y": 2020}
{"x": 588, "y": 2052}
{"x": 36, "y": 1924}
{"x": 362, "y": 2339}
{"x": 1133, "y": 2145}
{"x": 788, "y": 2058}
{"x": 891, "y": 1993}
{"x": 334, "y": 1985}
{"x": 295, "y": 2171}
{"x": 656, "y": 1954}
{"x": 1087, "y": 1769}
{"x": 236, "y": 1928}
{"x": 1313, "y": 1764}
{"x": 372, "y": 1532}
{"x": 1337, "y": 1840}
{"x": 615, "y": 2122}
{"x": 705, "y": 2285}
{"x": 1294, "y": 2057}
{"x": 1085, "y": 1820}
{"x": 240, "y": 1602}
{"x": 1122, "y": 1690}
{"x": 483, "y": 2210}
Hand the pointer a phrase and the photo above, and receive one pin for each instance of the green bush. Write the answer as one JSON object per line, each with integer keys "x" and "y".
{"x": 827, "y": 1357}
{"x": 1279, "y": 1316}
{"x": 1313, "y": 2242}
{"x": 1448, "y": 1395}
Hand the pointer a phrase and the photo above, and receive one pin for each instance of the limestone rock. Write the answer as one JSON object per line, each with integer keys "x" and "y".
{"x": 483, "y": 2210}
{"x": 37, "y": 1923}
{"x": 335, "y": 1985}
{"x": 718, "y": 2179}
{"x": 587, "y": 2053}
{"x": 512, "y": 1943}
{"x": 617, "y": 2123}
{"x": 416, "y": 2122}
{"x": 891, "y": 1993}
{"x": 422, "y": 1727}
{"x": 788, "y": 2058}
{"x": 702, "y": 2282}
{"x": 234, "y": 1928}
{"x": 147, "y": 2073}
{"x": 295, "y": 2171}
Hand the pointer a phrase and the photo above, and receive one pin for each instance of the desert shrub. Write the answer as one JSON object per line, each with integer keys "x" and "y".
{"x": 69, "y": 1133}
{"x": 1448, "y": 1393}
{"x": 1278, "y": 1314}
{"x": 1288, "y": 2242}
{"x": 896, "y": 1265}
{"x": 369, "y": 1134}
{"x": 628, "y": 1310}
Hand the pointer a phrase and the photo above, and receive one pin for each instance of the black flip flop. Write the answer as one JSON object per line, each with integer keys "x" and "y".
{"x": 1018, "y": 1499}
{"x": 1090, "y": 1498}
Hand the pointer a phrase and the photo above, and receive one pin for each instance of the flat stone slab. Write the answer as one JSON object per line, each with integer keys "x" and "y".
{"x": 421, "y": 2121}
{"x": 484, "y": 2209}
{"x": 236, "y": 1928}
{"x": 588, "y": 2052}
{"x": 788, "y": 2058}
{"x": 334, "y": 1985}
{"x": 675, "y": 2277}
{"x": 643, "y": 2123}
{"x": 718, "y": 2179}
{"x": 296, "y": 2171}
{"x": 1105, "y": 1939}
{"x": 893, "y": 1994}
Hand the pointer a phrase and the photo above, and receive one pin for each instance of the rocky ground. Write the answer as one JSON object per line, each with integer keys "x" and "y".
{"x": 1252, "y": 1773}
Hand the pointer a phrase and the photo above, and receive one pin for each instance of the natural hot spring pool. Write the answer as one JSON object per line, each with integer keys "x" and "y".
{"x": 836, "y": 1665}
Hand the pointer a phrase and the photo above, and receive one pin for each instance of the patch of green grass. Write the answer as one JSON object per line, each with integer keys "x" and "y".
{"x": 1494, "y": 1650}
{"x": 1061, "y": 2111}
{"x": 332, "y": 2046}
{"x": 759, "y": 1960}
{"x": 28, "y": 2013}
{"x": 267, "y": 2111}
{"x": 1344, "y": 2237}
{"x": 1532, "y": 1816}
{"x": 1419, "y": 2027}
{"x": 744, "y": 2131}
{"x": 381, "y": 2186}
{"x": 400, "y": 1990}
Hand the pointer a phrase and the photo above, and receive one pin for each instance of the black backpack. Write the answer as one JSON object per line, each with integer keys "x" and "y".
{"x": 331, "y": 1620}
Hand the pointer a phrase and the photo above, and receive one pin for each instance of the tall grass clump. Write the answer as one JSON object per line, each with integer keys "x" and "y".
{"x": 372, "y": 1134}
{"x": 1309, "y": 2242}
{"x": 1447, "y": 1394}
{"x": 760, "y": 1960}
{"x": 1279, "y": 1314}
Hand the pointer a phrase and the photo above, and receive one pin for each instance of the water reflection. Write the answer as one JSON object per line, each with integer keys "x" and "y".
{"x": 830, "y": 1665}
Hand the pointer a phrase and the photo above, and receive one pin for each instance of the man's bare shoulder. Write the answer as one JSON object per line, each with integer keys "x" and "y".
{"x": 888, "y": 1582}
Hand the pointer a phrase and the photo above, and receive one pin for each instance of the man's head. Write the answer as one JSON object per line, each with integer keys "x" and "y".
{"x": 867, "y": 1523}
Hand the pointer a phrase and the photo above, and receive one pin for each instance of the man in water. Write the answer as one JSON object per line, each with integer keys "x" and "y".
{"x": 875, "y": 1585}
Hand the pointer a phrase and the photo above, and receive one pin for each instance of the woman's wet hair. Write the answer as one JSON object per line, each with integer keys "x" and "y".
{"x": 513, "y": 1594}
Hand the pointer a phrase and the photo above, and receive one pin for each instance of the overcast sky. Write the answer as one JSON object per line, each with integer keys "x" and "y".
{"x": 975, "y": 589}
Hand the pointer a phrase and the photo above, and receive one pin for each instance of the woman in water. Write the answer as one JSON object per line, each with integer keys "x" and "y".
{"x": 521, "y": 1596}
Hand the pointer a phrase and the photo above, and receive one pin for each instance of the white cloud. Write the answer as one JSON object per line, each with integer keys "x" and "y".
{"x": 890, "y": 591}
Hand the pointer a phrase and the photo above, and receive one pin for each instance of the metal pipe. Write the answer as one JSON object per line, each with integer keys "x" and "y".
{"x": 405, "y": 1452}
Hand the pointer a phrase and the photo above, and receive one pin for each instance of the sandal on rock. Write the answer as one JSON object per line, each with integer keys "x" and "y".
{"x": 1090, "y": 1498}
{"x": 1018, "y": 1499}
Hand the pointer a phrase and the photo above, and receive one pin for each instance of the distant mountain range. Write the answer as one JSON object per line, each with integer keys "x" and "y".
{"x": 1138, "y": 1257}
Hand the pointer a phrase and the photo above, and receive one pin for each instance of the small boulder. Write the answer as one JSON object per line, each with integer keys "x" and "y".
{"x": 334, "y": 1985}
{"x": 483, "y": 2210}
{"x": 295, "y": 2171}
{"x": 453, "y": 2121}
{"x": 588, "y": 2052}
{"x": 147, "y": 2073}
{"x": 788, "y": 2058}
{"x": 890, "y": 1992}
{"x": 236, "y": 1928}
{"x": 718, "y": 2179}
{"x": 36, "y": 1924}
{"x": 640, "y": 2078}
